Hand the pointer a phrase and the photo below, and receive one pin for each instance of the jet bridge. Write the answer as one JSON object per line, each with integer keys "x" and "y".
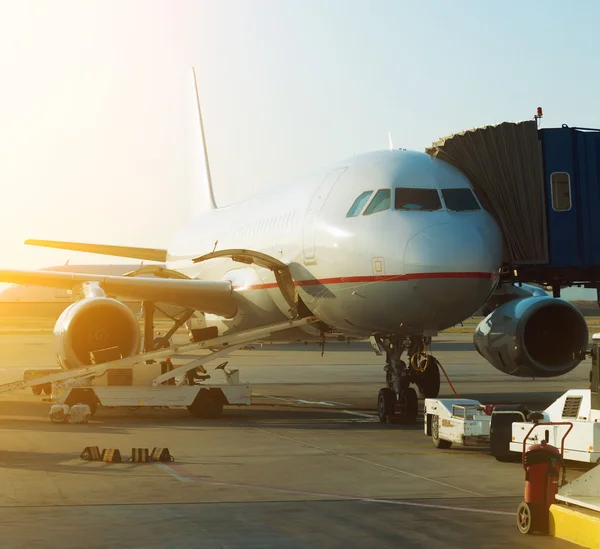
{"x": 543, "y": 187}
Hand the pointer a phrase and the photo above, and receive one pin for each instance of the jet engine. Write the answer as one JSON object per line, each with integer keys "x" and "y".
{"x": 93, "y": 324}
{"x": 533, "y": 337}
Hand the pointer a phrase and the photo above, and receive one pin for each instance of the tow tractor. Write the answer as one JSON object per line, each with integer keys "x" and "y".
{"x": 508, "y": 429}
{"x": 173, "y": 376}
{"x": 456, "y": 421}
{"x": 572, "y": 411}
{"x": 579, "y": 408}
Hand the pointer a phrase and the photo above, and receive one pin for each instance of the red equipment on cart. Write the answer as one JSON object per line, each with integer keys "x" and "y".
{"x": 542, "y": 463}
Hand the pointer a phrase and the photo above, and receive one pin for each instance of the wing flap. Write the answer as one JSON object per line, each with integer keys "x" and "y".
{"x": 208, "y": 296}
{"x": 145, "y": 254}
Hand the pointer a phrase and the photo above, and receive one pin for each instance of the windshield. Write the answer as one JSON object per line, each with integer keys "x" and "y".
{"x": 359, "y": 203}
{"x": 417, "y": 199}
{"x": 460, "y": 200}
{"x": 381, "y": 201}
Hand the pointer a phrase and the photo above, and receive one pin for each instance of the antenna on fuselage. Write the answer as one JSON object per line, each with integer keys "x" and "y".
{"x": 390, "y": 141}
{"x": 211, "y": 196}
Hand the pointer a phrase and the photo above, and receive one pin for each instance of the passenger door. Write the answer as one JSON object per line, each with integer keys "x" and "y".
{"x": 314, "y": 209}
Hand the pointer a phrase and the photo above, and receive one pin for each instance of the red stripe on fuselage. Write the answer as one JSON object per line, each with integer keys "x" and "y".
{"x": 370, "y": 279}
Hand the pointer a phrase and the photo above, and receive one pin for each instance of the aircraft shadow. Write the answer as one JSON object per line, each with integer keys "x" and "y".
{"x": 312, "y": 287}
{"x": 46, "y": 426}
{"x": 357, "y": 346}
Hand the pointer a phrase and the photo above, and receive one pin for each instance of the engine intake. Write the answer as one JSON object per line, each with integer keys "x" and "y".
{"x": 91, "y": 325}
{"x": 533, "y": 337}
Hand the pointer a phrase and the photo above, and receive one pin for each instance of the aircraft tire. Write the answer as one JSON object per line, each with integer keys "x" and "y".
{"x": 412, "y": 406}
{"x": 385, "y": 405}
{"x": 411, "y": 410}
{"x": 429, "y": 381}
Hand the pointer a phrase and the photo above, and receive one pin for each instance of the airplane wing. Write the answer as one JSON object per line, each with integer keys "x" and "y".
{"x": 208, "y": 296}
{"x": 146, "y": 254}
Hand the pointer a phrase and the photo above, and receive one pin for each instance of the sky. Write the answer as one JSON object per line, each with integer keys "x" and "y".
{"x": 98, "y": 132}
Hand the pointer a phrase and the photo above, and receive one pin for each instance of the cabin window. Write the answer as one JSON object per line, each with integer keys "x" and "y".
{"x": 460, "y": 200}
{"x": 381, "y": 201}
{"x": 560, "y": 183}
{"x": 359, "y": 204}
{"x": 417, "y": 199}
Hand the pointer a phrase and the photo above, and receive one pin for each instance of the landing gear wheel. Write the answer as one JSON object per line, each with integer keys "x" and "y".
{"x": 435, "y": 435}
{"x": 206, "y": 405}
{"x": 37, "y": 390}
{"x": 412, "y": 406}
{"x": 428, "y": 382}
{"x": 48, "y": 389}
{"x": 385, "y": 405}
{"x": 526, "y": 518}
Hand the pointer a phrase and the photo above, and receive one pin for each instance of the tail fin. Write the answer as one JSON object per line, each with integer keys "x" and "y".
{"x": 210, "y": 194}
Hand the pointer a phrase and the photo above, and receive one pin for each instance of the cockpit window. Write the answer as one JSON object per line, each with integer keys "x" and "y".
{"x": 460, "y": 200}
{"x": 417, "y": 199}
{"x": 359, "y": 203}
{"x": 381, "y": 201}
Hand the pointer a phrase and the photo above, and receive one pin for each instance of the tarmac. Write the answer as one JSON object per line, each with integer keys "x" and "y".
{"x": 307, "y": 465}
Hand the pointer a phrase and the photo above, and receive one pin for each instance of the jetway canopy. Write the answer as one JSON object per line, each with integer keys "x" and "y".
{"x": 504, "y": 164}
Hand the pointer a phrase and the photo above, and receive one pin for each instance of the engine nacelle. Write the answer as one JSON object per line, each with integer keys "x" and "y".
{"x": 93, "y": 324}
{"x": 533, "y": 337}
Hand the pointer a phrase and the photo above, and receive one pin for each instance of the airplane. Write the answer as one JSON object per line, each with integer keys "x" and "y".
{"x": 391, "y": 245}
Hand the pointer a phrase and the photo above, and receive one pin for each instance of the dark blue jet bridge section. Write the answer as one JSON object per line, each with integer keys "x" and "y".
{"x": 571, "y": 160}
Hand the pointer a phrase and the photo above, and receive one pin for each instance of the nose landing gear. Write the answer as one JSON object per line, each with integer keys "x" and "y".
{"x": 398, "y": 403}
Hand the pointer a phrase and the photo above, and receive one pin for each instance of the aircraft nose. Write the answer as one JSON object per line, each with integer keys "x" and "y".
{"x": 454, "y": 249}
{"x": 452, "y": 268}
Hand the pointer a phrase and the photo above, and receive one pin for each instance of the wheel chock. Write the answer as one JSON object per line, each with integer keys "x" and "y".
{"x": 140, "y": 455}
{"x": 91, "y": 453}
{"x": 161, "y": 454}
{"x": 111, "y": 455}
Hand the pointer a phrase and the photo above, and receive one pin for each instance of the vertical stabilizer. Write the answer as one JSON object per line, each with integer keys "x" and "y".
{"x": 209, "y": 194}
{"x": 390, "y": 141}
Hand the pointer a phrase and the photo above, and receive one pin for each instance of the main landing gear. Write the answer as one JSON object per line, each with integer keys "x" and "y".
{"x": 398, "y": 401}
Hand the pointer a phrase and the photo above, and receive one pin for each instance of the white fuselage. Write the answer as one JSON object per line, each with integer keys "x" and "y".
{"x": 399, "y": 270}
